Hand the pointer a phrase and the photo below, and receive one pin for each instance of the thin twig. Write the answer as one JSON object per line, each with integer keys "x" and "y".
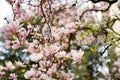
{"x": 105, "y": 49}
{"x": 41, "y": 3}
{"x": 6, "y": 20}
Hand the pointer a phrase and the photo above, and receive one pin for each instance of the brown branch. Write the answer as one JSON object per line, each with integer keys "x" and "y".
{"x": 41, "y": 3}
{"x": 13, "y": 9}
{"x": 102, "y": 10}
{"x": 50, "y": 11}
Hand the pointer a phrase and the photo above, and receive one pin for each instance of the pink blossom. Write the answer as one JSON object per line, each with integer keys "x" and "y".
{"x": 2, "y": 74}
{"x": 61, "y": 54}
{"x": 107, "y": 77}
{"x": 68, "y": 31}
{"x": 42, "y": 64}
{"x": 56, "y": 33}
{"x": 114, "y": 69}
{"x": 34, "y": 78}
{"x": 19, "y": 64}
{"x": 36, "y": 57}
{"x": 16, "y": 44}
{"x": 27, "y": 17}
{"x": 56, "y": 36}
{"x": 33, "y": 47}
{"x": 9, "y": 66}
{"x": 77, "y": 55}
{"x": 53, "y": 69}
{"x": 70, "y": 76}
{"x": 29, "y": 27}
{"x": 117, "y": 75}
{"x": 30, "y": 73}
{"x": 8, "y": 44}
{"x": 11, "y": 27}
{"x": 71, "y": 25}
{"x": 53, "y": 48}
{"x": 65, "y": 45}
{"x": 23, "y": 33}
{"x": 38, "y": 73}
{"x": 117, "y": 64}
{"x": 7, "y": 35}
{"x": 67, "y": 76}
{"x": 13, "y": 76}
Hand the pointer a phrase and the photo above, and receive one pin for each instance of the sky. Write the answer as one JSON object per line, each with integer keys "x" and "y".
{"x": 5, "y": 11}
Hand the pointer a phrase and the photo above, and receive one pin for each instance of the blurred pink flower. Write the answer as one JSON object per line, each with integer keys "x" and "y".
{"x": 23, "y": 33}
{"x": 36, "y": 57}
{"x": 30, "y": 28}
{"x": 34, "y": 78}
{"x": 30, "y": 73}
{"x": 2, "y": 74}
{"x": 10, "y": 29}
{"x": 70, "y": 76}
{"x": 61, "y": 54}
{"x": 77, "y": 55}
{"x": 8, "y": 44}
{"x": 68, "y": 31}
{"x": 53, "y": 48}
{"x": 117, "y": 64}
{"x": 33, "y": 47}
{"x": 16, "y": 44}
{"x": 117, "y": 76}
{"x": 70, "y": 25}
{"x": 43, "y": 64}
{"x": 53, "y": 69}
{"x": 19, "y": 64}
{"x": 13, "y": 76}
{"x": 12, "y": 44}
{"x": 27, "y": 17}
{"x": 7, "y": 35}
{"x": 9, "y": 66}
{"x": 114, "y": 69}
{"x": 45, "y": 77}
{"x": 67, "y": 76}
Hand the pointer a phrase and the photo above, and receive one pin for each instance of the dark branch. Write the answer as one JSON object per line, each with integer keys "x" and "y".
{"x": 108, "y": 1}
{"x": 102, "y": 10}
{"x": 6, "y": 20}
{"x": 106, "y": 49}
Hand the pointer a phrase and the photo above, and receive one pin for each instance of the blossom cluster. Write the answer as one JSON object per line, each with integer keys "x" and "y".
{"x": 51, "y": 56}
{"x": 52, "y": 33}
{"x": 7, "y": 71}
{"x": 49, "y": 46}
